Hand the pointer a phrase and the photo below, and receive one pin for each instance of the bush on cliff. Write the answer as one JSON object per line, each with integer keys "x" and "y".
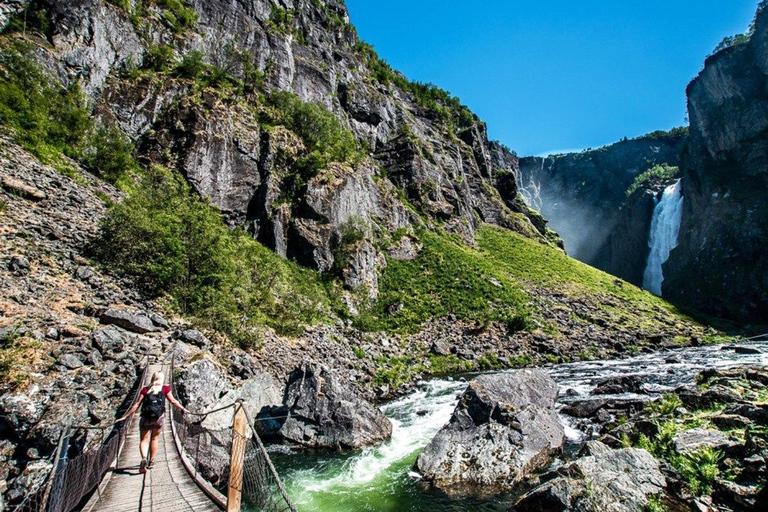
{"x": 172, "y": 242}
{"x": 655, "y": 175}
{"x": 323, "y": 134}
{"x": 52, "y": 121}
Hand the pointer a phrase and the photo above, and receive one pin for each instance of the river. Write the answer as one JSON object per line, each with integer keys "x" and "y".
{"x": 381, "y": 478}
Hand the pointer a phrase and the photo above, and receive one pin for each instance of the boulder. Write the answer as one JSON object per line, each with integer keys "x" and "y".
{"x": 130, "y": 320}
{"x": 214, "y": 431}
{"x": 324, "y": 411}
{"x": 691, "y": 440}
{"x": 193, "y": 337}
{"x": 620, "y": 385}
{"x": 70, "y": 361}
{"x": 201, "y": 384}
{"x": 110, "y": 340}
{"x": 504, "y": 428}
{"x": 604, "y": 481}
{"x": 259, "y": 392}
{"x": 20, "y": 411}
{"x": 183, "y": 352}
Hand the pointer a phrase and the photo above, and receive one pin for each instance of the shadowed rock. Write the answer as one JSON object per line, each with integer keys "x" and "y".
{"x": 325, "y": 412}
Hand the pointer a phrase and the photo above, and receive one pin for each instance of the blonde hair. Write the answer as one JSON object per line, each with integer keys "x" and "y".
{"x": 158, "y": 379}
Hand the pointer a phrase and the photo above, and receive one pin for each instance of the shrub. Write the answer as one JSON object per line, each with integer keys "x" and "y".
{"x": 699, "y": 469}
{"x": 159, "y": 57}
{"x": 326, "y": 140}
{"x": 111, "y": 156}
{"x": 664, "y": 406}
{"x": 34, "y": 18}
{"x": 48, "y": 120}
{"x": 656, "y": 174}
{"x": 192, "y": 65}
{"x": 171, "y": 242}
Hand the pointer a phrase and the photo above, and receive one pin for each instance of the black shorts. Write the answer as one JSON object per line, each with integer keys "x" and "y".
{"x": 146, "y": 423}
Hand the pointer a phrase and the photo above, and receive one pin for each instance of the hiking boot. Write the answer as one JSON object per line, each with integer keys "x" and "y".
{"x": 143, "y": 466}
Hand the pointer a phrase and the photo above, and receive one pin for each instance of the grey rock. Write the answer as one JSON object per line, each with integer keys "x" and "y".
{"x": 257, "y": 393}
{"x": 504, "y": 427}
{"x": 183, "y": 352}
{"x": 440, "y": 348}
{"x": 201, "y": 384}
{"x": 110, "y": 340}
{"x": 324, "y": 411}
{"x": 131, "y": 320}
{"x": 606, "y": 480}
{"x": 619, "y": 385}
{"x": 193, "y": 337}
{"x": 83, "y": 272}
{"x": 18, "y": 263}
{"x": 691, "y": 440}
{"x": 159, "y": 321}
{"x": 20, "y": 411}
{"x": 70, "y": 361}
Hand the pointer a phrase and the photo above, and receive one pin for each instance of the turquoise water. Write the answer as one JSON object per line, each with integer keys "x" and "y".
{"x": 381, "y": 478}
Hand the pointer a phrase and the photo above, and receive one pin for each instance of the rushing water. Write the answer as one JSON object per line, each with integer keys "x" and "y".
{"x": 662, "y": 238}
{"x": 381, "y": 478}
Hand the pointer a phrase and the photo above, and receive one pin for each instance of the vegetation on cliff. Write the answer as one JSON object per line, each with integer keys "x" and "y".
{"x": 653, "y": 176}
{"x": 174, "y": 244}
{"x": 54, "y": 123}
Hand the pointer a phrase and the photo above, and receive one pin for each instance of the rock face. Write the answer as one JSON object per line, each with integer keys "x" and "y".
{"x": 325, "y": 412}
{"x": 504, "y": 428}
{"x": 582, "y": 195}
{"x": 445, "y": 168}
{"x": 606, "y": 480}
{"x": 720, "y": 265}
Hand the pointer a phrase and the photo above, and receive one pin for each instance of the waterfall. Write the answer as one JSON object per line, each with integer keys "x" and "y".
{"x": 531, "y": 191}
{"x": 662, "y": 238}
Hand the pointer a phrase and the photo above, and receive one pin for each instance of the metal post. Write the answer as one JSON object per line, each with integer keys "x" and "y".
{"x": 235, "y": 491}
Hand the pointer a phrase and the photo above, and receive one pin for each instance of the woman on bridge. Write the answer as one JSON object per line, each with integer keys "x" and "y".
{"x": 152, "y": 402}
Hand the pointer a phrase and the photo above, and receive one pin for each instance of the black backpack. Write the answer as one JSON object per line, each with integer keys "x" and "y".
{"x": 153, "y": 405}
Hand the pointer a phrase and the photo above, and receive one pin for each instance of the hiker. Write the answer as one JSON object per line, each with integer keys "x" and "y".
{"x": 152, "y": 402}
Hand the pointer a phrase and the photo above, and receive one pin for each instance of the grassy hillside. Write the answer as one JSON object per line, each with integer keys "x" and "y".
{"x": 494, "y": 282}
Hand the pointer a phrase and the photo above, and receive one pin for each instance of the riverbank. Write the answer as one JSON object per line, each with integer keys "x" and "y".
{"x": 382, "y": 478}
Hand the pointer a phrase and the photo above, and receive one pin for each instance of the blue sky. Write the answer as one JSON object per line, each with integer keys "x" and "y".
{"x": 555, "y": 75}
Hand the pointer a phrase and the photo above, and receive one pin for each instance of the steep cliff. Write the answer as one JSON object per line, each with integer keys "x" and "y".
{"x": 136, "y": 62}
{"x": 721, "y": 265}
{"x": 582, "y": 195}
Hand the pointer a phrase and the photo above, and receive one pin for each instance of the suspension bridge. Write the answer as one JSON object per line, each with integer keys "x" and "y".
{"x": 106, "y": 477}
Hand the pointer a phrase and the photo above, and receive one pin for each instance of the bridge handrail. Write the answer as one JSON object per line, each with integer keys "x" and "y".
{"x": 71, "y": 480}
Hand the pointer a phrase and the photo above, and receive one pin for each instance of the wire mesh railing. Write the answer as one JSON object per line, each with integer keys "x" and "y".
{"x": 72, "y": 480}
{"x": 261, "y": 486}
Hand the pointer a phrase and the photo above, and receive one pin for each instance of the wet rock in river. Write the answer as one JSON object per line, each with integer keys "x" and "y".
{"x": 504, "y": 428}
{"x": 324, "y": 411}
